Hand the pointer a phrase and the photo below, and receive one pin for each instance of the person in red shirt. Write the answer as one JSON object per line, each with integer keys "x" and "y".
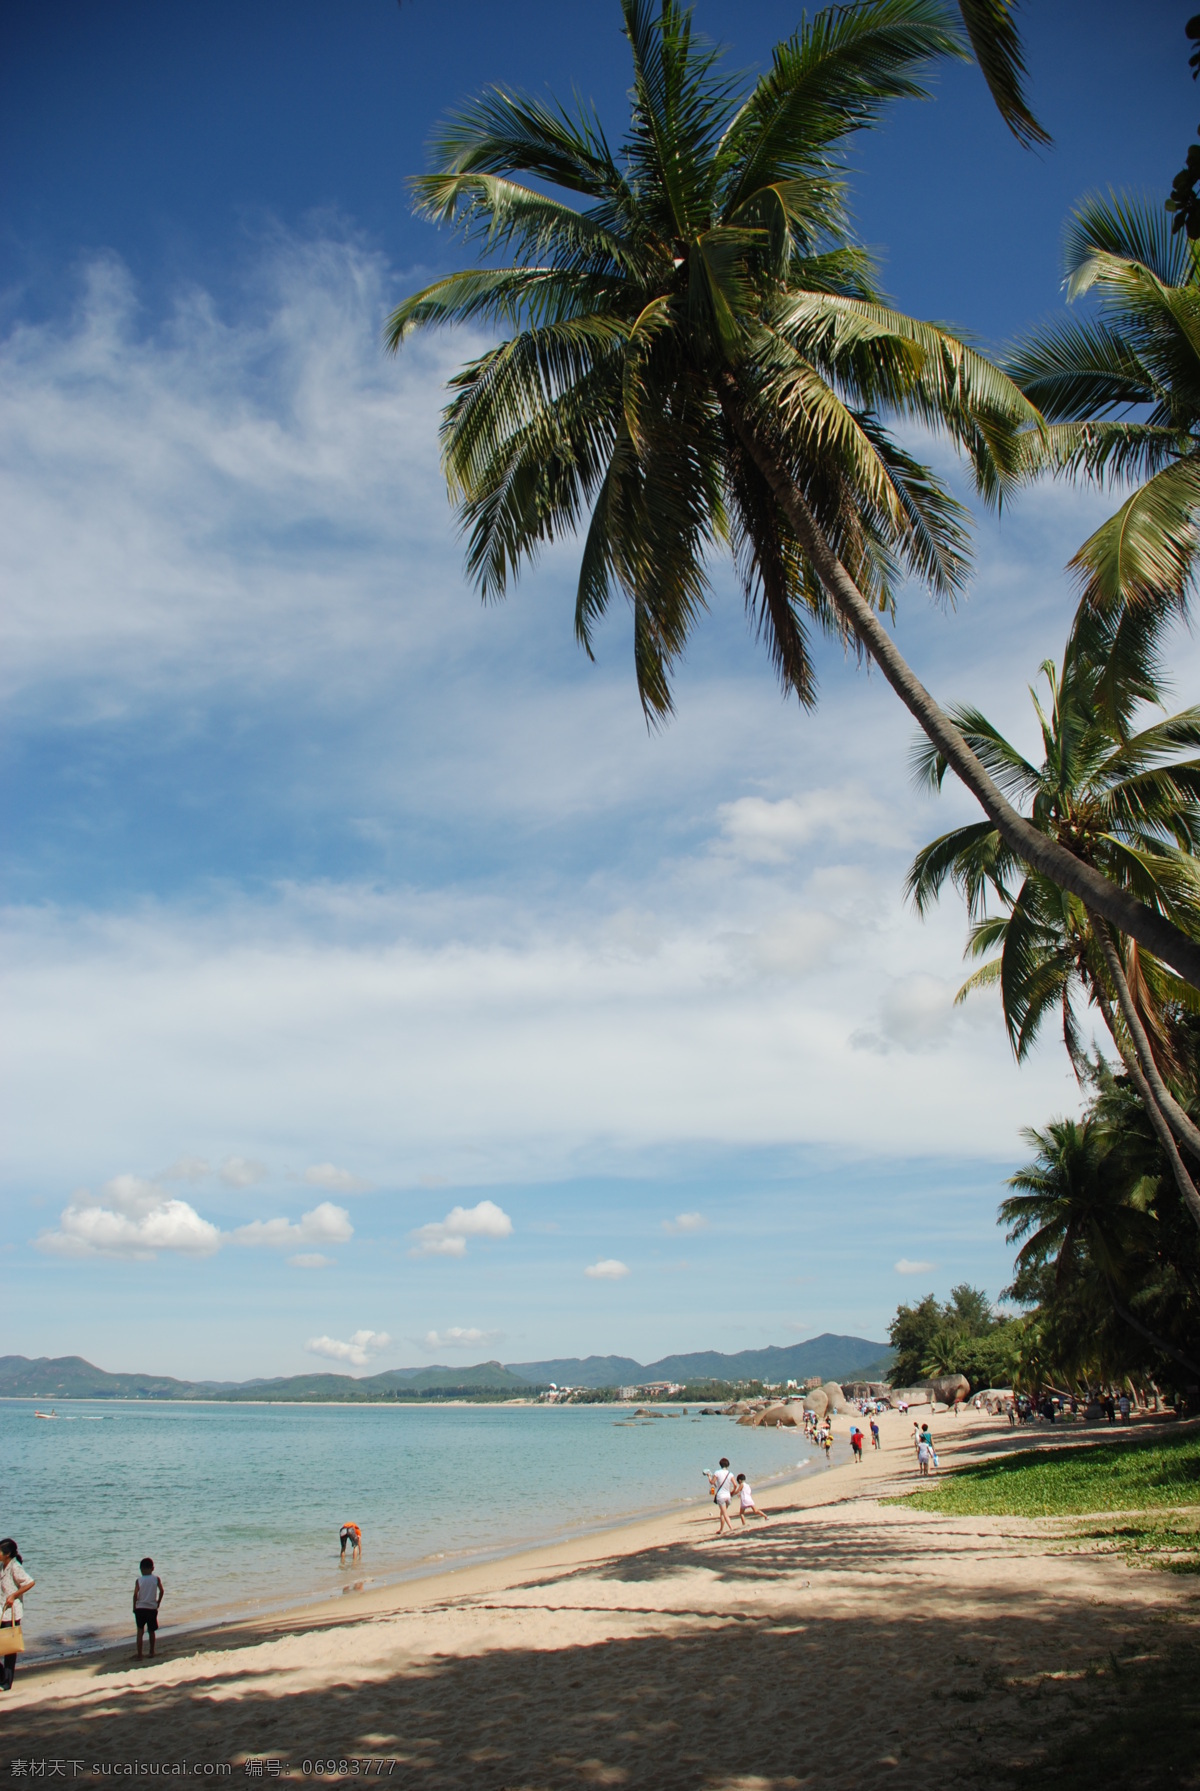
{"x": 856, "y": 1444}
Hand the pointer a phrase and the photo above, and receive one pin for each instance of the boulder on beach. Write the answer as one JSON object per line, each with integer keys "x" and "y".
{"x": 910, "y": 1396}
{"x": 950, "y": 1388}
{"x": 778, "y": 1414}
{"x": 835, "y": 1399}
{"x": 817, "y": 1402}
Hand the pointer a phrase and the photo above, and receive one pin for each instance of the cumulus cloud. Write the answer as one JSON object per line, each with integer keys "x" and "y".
{"x": 338, "y": 1181}
{"x": 356, "y": 1350}
{"x": 607, "y": 1269}
{"x": 242, "y": 1172}
{"x": 312, "y": 1260}
{"x": 132, "y": 1218}
{"x": 684, "y": 1222}
{"x": 917, "y": 1014}
{"x": 448, "y": 1236}
{"x": 459, "y": 1337}
{"x": 326, "y": 1224}
{"x": 905, "y": 1267}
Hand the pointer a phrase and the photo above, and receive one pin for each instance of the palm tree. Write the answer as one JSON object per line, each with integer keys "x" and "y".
{"x": 1131, "y": 804}
{"x": 1076, "y": 1210}
{"x": 1121, "y": 393}
{"x": 699, "y": 356}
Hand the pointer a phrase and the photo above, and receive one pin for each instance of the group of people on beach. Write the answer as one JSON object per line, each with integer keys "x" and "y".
{"x": 724, "y": 1486}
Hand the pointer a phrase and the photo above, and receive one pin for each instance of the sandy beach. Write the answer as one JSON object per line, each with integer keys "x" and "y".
{"x": 845, "y": 1642}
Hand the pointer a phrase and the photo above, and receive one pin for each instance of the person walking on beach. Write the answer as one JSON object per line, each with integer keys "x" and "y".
{"x": 874, "y": 1434}
{"x": 148, "y": 1594}
{"x": 722, "y": 1484}
{"x": 856, "y": 1444}
{"x": 827, "y": 1440}
{"x": 14, "y": 1583}
{"x": 924, "y": 1457}
{"x": 746, "y": 1501}
{"x": 350, "y": 1533}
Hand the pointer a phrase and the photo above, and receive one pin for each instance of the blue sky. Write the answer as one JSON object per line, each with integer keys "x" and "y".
{"x": 338, "y": 908}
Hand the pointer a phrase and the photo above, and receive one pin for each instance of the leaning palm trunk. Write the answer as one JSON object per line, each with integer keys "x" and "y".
{"x": 1155, "y": 1114}
{"x": 1151, "y": 930}
{"x": 1180, "y": 1122}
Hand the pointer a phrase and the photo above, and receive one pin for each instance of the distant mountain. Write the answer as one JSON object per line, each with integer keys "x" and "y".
{"x": 586, "y": 1371}
{"x": 70, "y": 1377}
{"x": 830, "y": 1356}
{"x": 833, "y": 1358}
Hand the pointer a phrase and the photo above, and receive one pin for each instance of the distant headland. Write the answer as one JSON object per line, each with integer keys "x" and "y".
{"x": 827, "y": 1357}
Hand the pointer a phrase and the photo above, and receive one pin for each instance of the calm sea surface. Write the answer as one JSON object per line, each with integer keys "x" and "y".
{"x": 240, "y": 1506}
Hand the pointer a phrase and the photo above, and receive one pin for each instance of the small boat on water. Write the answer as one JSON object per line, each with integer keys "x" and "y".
{"x": 50, "y": 1414}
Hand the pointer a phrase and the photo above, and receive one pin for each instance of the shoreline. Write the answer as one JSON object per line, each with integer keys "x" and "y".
{"x": 610, "y": 1659}
{"x": 424, "y": 1573}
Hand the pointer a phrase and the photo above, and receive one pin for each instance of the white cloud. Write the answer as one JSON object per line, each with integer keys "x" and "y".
{"x": 448, "y": 1236}
{"x": 684, "y": 1222}
{"x": 187, "y": 1169}
{"x": 326, "y": 1224}
{"x": 242, "y": 1172}
{"x": 905, "y": 1267}
{"x": 133, "y": 1219}
{"x": 338, "y": 1181}
{"x": 459, "y": 1337}
{"x": 771, "y": 832}
{"x": 917, "y": 1013}
{"x": 357, "y": 1350}
{"x": 313, "y": 1260}
{"x": 607, "y": 1269}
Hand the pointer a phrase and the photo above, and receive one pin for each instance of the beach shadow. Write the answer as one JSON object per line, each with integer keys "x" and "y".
{"x": 764, "y": 1704}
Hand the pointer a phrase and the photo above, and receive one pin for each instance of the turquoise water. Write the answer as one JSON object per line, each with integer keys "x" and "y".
{"x": 240, "y": 1506}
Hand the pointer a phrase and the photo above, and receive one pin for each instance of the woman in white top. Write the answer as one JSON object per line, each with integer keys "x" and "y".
{"x": 14, "y": 1582}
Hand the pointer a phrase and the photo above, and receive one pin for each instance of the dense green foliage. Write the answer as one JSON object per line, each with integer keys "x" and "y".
{"x": 962, "y": 1336}
{"x": 1128, "y": 1475}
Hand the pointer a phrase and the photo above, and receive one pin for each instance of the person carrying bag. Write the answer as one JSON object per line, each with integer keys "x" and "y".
{"x": 14, "y": 1583}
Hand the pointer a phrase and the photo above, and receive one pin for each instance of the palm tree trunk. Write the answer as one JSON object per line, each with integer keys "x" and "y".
{"x": 1154, "y": 1112}
{"x": 1046, "y": 855}
{"x": 1179, "y": 1121}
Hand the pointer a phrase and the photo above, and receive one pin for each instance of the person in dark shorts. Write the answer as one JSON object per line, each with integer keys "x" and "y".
{"x": 351, "y": 1534}
{"x": 148, "y": 1594}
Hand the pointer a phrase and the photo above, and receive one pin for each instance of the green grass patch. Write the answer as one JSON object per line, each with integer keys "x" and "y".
{"x": 1171, "y": 1544}
{"x": 1131, "y": 1475}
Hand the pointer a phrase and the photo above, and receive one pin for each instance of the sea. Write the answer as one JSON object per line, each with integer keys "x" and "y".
{"x": 240, "y": 1505}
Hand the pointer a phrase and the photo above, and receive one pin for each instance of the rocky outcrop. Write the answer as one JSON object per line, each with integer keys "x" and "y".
{"x": 835, "y": 1399}
{"x": 779, "y": 1414}
{"x": 950, "y": 1388}
{"x": 817, "y": 1402}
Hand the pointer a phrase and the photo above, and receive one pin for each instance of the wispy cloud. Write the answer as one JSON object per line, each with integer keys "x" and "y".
{"x": 459, "y": 1337}
{"x": 905, "y": 1267}
{"x": 310, "y": 1260}
{"x": 356, "y": 1351}
{"x": 448, "y": 1236}
{"x": 685, "y": 1222}
{"x": 326, "y": 1224}
{"x": 242, "y": 1172}
{"x": 338, "y": 1181}
{"x": 607, "y": 1269}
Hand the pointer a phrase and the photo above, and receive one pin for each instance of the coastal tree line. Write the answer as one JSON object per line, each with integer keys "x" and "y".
{"x": 694, "y": 355}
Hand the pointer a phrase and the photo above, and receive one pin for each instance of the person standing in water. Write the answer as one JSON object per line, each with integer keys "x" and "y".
{"x": 148, "y": 1594}
{"x": 353, "y": 1535}
{"x": 14, "y": 1583}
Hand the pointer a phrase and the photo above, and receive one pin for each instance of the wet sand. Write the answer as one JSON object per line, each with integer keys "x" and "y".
{"x": 845, "y": 1642}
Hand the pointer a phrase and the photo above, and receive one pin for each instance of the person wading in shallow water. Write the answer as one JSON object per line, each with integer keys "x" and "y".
{"x": 353, "y": 1535}
{"x": 14, "y": 1583}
